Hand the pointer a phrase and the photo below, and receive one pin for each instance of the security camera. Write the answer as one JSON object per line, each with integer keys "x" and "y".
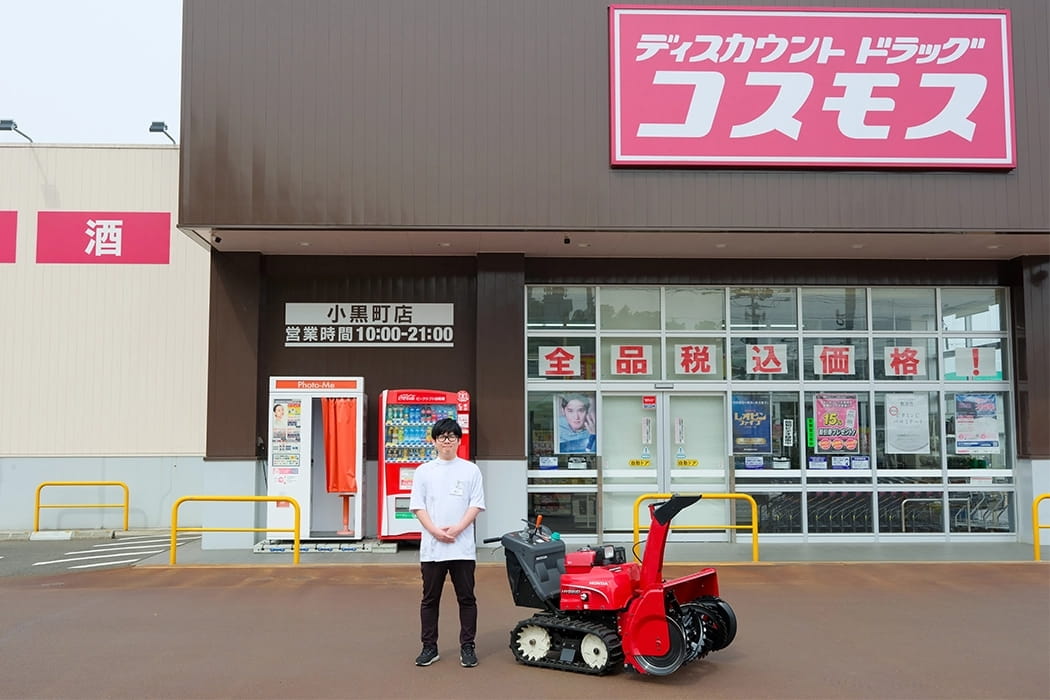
{"x": 218, "y": 239}
{"x": 567, "y": 240}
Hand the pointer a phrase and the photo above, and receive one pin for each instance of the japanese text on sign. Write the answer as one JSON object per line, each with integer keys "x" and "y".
{"x": 352, "y": 324}
{"x": 810, "y": 86}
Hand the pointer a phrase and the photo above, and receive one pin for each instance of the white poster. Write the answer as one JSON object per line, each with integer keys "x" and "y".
{"x": 907, "y": 424}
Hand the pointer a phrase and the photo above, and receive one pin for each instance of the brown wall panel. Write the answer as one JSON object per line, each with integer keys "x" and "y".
{"x": 490, "y": 114}
{"x": 501, "y": 356}
{"x": 1030, "y": 291}
{"x": 233, "y": 354}
{"x": 348, "y": 279}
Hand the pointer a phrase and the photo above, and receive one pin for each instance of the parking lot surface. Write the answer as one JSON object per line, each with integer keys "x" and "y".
{"x": 808, "y": 630}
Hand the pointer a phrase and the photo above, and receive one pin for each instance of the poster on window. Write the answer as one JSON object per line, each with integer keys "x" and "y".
{"x": 976, "y": 424}
{"x": 286, "y": 418}
{"x": 907, "y": 424}
{"x": 837, "y": 429}
{"x": 577, "y": 423}
{"x": 752, "y": 427}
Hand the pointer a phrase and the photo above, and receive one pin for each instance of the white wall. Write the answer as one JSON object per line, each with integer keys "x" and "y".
{"x": 103, "y": 368}
{"x": 100, "y": 360}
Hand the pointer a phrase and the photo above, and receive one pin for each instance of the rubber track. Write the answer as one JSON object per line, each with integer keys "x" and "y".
{"x": 566, "y": 627}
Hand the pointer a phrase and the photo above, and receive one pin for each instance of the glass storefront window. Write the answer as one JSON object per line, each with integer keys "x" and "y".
{"x": 905, "y": 359}
{"x": 560, "y": 307}
{"x": 835, "y": 359}
{"x": 695, "y": 309}
{"x": 981, "y": 511}
{"x": 779, "y": 513}
{"x": 911, "y": 512}
{"x": 826, "y": 394}
{"x": 908, "y": 434}
{"x": 834, "y": 309}
{"x": 894, "y": 309}
{"x": 565, "y": 512}
{"x": 839, "y": 512}
{"x": 630, "y": 308}
{"x": 760, "y": 308}
{"x": 625, "y": 359}
{"x": 696, "y": 359}
{"x": 767, "y": 431}
{"x": 769, "y": 359}
{"x": 838, "y": 431}
{"x": 969, "y": 310}
{"x": 973, "y": 360}
{"x": 561, "y": 358}
{"x": 562, "y": 430}
{"x": 975, "y": 427}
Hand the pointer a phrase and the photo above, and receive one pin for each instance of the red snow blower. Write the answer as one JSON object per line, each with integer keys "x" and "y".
{"x": 600, "y": 612}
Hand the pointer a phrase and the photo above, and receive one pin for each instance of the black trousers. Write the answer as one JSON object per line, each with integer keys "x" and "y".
{"x": 462, "y": 573}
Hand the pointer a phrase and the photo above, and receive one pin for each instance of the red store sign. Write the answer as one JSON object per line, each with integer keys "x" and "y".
{"x": 8, "y": 234}
{"x": 811, "y": 87}
{"x": 103, "y": 238}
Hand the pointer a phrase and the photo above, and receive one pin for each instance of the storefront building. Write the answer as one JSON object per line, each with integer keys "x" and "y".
{"x": 854, "y": 334}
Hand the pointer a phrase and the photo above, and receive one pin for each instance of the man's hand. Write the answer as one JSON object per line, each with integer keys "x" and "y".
{"x": 446, "y": 534}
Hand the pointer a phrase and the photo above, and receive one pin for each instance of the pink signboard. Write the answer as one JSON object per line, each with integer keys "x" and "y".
{"x": 103, "y": 237}
{"x": 871, "y": 88}
{"x": 8, "y": 235}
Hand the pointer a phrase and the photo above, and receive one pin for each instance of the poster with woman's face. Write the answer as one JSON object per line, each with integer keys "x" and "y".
{"x": 576, "y": 423}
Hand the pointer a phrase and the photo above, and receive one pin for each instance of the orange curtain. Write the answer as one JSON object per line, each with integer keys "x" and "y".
{"x": 339, "y": 417}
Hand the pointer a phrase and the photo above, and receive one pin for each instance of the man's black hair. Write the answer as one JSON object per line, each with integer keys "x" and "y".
{"x": 446, "y": 425}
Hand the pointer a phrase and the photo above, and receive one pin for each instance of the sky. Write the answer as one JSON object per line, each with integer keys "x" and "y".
{"x": 90, "y": 71}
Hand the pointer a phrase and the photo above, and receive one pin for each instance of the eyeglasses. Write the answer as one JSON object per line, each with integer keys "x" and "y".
{"x": 447, "y": 437}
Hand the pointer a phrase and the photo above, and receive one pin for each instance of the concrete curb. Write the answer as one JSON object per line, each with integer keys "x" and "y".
{"x": 80, "y": 534}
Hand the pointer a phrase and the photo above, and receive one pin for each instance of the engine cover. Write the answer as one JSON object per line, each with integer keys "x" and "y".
{"x": 600, "y": 588}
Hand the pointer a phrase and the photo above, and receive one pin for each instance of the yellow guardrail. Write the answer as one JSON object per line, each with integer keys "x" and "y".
{"x": 175, "y": 529}
{"x": 704, "y": 497}
{"x": 1036, "y": 527}
{"x": 124, "y": 505}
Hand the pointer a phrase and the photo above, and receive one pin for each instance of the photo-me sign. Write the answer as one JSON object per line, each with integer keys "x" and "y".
{"x": 811, "y": 87}
{"x": 359, "y": 324}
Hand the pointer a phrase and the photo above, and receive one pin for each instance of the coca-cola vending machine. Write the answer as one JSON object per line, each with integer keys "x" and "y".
{"x": 405, "y": 419}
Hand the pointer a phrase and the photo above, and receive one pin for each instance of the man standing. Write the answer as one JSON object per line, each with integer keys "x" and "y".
{"x": 447, "y": 496}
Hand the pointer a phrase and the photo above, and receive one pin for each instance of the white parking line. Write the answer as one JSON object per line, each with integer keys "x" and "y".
{"x": 104, "y": 563}
{"x": 128, "y": 550}
{"x": 144, "y": 543}
{"x": 97, "y": 556}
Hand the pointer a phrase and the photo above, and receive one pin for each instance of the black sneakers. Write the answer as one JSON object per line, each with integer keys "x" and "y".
{"x": 467, "y": 657}
{"x": 428, "y": 656}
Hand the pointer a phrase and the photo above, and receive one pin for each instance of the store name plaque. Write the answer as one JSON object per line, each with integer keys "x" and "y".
{"x": 368, "y": 324}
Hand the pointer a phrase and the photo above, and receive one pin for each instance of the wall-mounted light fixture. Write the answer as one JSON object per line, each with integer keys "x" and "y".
{"x": 9, "y": 125}
{"x": 160, "y": 128}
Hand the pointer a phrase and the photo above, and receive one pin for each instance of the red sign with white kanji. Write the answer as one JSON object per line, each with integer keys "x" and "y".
{"x": 103, "y": 237}
{"x": 8, "y": 234}
{"x": 804, "y": 86}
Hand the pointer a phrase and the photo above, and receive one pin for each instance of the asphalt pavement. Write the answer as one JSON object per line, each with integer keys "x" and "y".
{"x": 813, "y": 630}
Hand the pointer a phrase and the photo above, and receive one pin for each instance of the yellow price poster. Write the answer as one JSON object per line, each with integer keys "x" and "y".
{"x": 689, "y": 463}
{"x": 639, "y": 462}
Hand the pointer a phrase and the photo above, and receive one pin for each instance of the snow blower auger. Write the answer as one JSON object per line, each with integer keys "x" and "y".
{"x": 600, "y": 612}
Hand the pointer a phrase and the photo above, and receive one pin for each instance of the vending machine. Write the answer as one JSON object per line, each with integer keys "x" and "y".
{"x": 315, "y": 455}
{"x": 405, "y": 419}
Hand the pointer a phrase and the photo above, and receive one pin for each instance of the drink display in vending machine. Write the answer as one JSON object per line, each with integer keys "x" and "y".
{"x": 405, "y": 419}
